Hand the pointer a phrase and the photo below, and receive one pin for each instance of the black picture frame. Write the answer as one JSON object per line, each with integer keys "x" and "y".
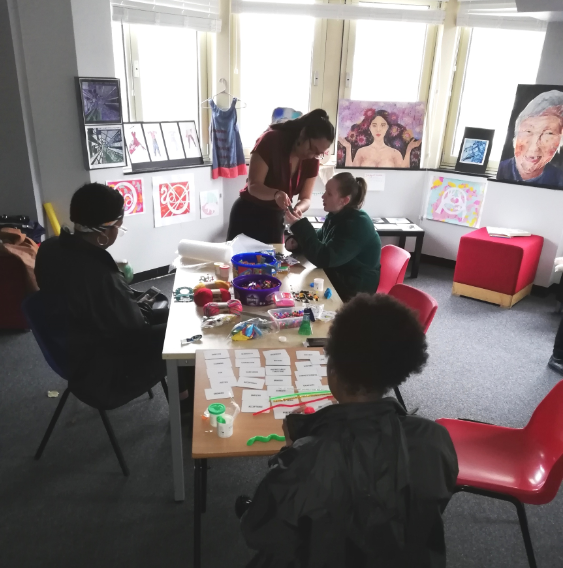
{"x": 194, "y": 160}
{"x": 136, "y": 143}
{"x": 104, "y": 143}
{"x": 472, "y": 157}
{"x": 99, "y": 100}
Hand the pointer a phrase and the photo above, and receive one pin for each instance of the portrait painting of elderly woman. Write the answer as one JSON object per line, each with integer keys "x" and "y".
{"x": 379, "y": 134}
{"x": 531, "y": 152}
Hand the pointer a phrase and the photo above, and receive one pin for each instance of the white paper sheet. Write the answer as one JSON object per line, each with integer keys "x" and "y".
{"x": 221, "y": 372}
{"x": 276, "y": 353}
{"x": 214, "y": 394}
{"x": 307, "y": 354}
{"x": 247, "y": 363}
{"x": 216, "y": 363}
{"x": 279, "y": 381}
{"x": 278, "y": 361}
{"x": 223, "y": 383}
{"x": 320, "y": 404}
{"x": 218, "y": 354}
{"x": 252, "y": 372}
{"x": 274, "y": 390}
{"x": 308, "y": 384}
{"x": 247, "y": 354}
{"x": 397, "y": 220}
{"x": 386, "y": 226}
{"x": 307, "y": 375}
{"x": 322, "y": 371}
{"x": 304, "y": 365}
{"x": 277, "y": 371}
{"x": 250, "y": 383}
{"x": 375, "y": 182}
{"x": 281, "y": 412}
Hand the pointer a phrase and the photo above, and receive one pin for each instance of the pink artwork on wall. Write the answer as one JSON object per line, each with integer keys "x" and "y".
{"x": 132, "y": 191}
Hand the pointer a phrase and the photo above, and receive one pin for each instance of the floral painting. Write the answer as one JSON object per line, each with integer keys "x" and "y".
{"x": 379, "y": 134}
{"x": 455, "y": 201}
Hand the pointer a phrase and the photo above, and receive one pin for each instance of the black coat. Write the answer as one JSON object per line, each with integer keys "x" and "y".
{"x": 110, "y": 356}
{"x": 363, "y": 485}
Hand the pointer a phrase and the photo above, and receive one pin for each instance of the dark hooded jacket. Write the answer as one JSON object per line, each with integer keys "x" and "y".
{"x": 364, "y": 485}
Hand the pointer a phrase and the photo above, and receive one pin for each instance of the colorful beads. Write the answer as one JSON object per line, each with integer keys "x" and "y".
{"x": 264, "y": 285}
{"x": 285, "y": 315}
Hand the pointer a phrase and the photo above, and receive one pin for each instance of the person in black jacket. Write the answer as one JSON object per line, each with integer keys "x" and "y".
{"x": 112, "y": 344}
{"x": 360, "y": 483}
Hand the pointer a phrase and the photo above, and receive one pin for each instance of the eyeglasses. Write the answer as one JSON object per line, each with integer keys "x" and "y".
{"x": 122, "y": 228}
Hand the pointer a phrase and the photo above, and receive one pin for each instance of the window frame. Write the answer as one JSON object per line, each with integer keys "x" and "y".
{"x": 133, "y": 86}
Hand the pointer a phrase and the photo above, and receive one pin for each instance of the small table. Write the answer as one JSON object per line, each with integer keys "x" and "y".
{"x": 185, "y": 321}
{"x": 401, "y": 230}
{"x": 207, "y": 445}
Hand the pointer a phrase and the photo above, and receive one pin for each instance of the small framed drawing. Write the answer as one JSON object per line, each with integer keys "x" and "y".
{"x": 155, "y": 141}
{"x": 104, "y": 146}
{"x": 173, "y": 141}
{"x": 475, "y": 150}
{"x": 136, "y": 143}
{"x": 190, "y": 140}
{"x": 100, "y": 99}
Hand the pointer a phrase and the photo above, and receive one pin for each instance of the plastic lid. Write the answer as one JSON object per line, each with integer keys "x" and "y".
{"x": 216, "y": 408}
{"x": 221, "y": 420}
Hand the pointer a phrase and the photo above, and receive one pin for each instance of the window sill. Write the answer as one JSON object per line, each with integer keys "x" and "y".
{"x": 129, "y": 172}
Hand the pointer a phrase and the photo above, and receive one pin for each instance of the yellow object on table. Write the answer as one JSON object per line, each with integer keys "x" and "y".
{"x": 52, "y": 218}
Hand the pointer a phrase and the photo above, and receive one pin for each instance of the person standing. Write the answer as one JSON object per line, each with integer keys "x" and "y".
{"x": 283, "y": 164}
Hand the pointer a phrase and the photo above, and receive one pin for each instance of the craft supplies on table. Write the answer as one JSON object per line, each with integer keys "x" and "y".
{"x": 256, "y": 289}
{"x": 253, "y": 263}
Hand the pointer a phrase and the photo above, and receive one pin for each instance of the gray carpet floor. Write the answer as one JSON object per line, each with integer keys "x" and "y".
{"x": 74, "y": 508}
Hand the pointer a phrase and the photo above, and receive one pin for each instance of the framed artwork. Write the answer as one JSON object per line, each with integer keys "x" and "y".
{"x": 379, "y": 134}
{"x": 172, "y": 199}
{"x": 136, "y": 143}
{"x": 100, "y": 100}
{"x": 210, "y": 203}
{"x": 155, "y": 141}
{"x": 190, "y": 139}
{"x": 455, "y": 201}
{"x": 475, "y": 150}
{"x": 173, "y": 140}
{"x": 104, "y": 146}
{"x": 132, "y": 191}
{"x": 532, "y": 150}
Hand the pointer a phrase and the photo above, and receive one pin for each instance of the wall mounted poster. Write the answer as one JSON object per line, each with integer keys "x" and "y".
{"x": 155, "y": 141}
{"x": 475, "y": 150}
{"x": 173, "y": 141}
{"x": 531, "y": 152}
{"x": 190, "y": 139}
{"x": 132, "y": 191}
{"x": 379, "y": 134}
{"x": 210, "y": 203}
{"x": 100, "y": 99}
{"x": 136, "y": 143}
{"x": 172, "y": 199}
{"x": 455, "y": 201}
{"x": 104, "y": 145}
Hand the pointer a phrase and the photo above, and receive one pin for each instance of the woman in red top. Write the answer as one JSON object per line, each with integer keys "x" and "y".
{"x": 283, "y": 164}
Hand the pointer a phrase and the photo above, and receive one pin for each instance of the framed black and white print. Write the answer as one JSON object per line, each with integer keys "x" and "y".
{"x": 100, "y": 100}
{"x": 105, "y": 146}
{"x": 475, "y": 150}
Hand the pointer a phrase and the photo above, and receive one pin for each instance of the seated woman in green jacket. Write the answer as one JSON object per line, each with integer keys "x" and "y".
{"x": 347, "y": 246}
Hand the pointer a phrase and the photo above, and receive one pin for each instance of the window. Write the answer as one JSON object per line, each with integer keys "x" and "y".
{"x": 274, "y": 68}
{"x": 158, "y": 71}
{"x": 485, "y": 84}
{"x": 120, "y": 68}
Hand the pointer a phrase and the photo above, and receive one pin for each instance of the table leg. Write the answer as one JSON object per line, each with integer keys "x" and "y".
{"x": 175, "y": 429}
{"x": 203, "y": 485}
{"x": 198, "y": 466}
{"x": 417, "y": 253}
{"x": 402, "y": 241}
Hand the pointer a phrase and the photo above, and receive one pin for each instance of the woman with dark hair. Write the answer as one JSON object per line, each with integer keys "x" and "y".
{"x": 375, "y": 136}
{"x": 284, "y": 164}
{"x": 347, "y": 246}
{"x": 360, "y": 483}
{"x": 111, "y": 338}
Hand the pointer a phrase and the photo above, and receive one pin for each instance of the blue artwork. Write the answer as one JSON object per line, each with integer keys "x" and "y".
{"x": 474, "y": 151}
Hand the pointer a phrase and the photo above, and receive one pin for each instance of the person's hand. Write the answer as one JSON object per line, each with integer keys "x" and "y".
{"x": 344, "y": 142}
{"x": 414, "y": 143}
{"x": 291, "y": 244}
{"x": 291, "y": 218}
{"x": 282, "y": 200}
{"x": 288, "y": 440}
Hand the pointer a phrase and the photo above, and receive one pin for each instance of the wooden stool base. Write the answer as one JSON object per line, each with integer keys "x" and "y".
{"x": 503, "y": 300}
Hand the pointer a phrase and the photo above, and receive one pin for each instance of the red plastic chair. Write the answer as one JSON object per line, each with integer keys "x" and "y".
{"x": 422, "y": 303}
{"x": 512, "y": 464}
{"x": 394, "y": 262}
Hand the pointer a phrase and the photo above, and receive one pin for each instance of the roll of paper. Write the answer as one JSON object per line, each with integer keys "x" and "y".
{"x": 200, "y": 250}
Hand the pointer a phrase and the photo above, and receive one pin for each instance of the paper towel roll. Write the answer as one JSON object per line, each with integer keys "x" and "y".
{"x": 200, "y": 250}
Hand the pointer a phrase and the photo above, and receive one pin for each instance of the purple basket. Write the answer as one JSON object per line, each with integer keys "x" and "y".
{"x": 255, "y": 297}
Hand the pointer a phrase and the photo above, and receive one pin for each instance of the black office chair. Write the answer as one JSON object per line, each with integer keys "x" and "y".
{"x": 49, "y": 338}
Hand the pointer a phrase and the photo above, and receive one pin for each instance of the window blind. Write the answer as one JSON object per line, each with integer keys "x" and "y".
{"x": 502, "y": 15}
{"x": 200, "y": 15}
{"x": 339, "y": 11}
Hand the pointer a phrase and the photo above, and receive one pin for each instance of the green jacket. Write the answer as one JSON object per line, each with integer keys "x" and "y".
{"x": 347, "y": 248}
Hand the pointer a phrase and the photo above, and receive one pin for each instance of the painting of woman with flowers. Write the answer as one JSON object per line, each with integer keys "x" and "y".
{"x": 379, "y": 134}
